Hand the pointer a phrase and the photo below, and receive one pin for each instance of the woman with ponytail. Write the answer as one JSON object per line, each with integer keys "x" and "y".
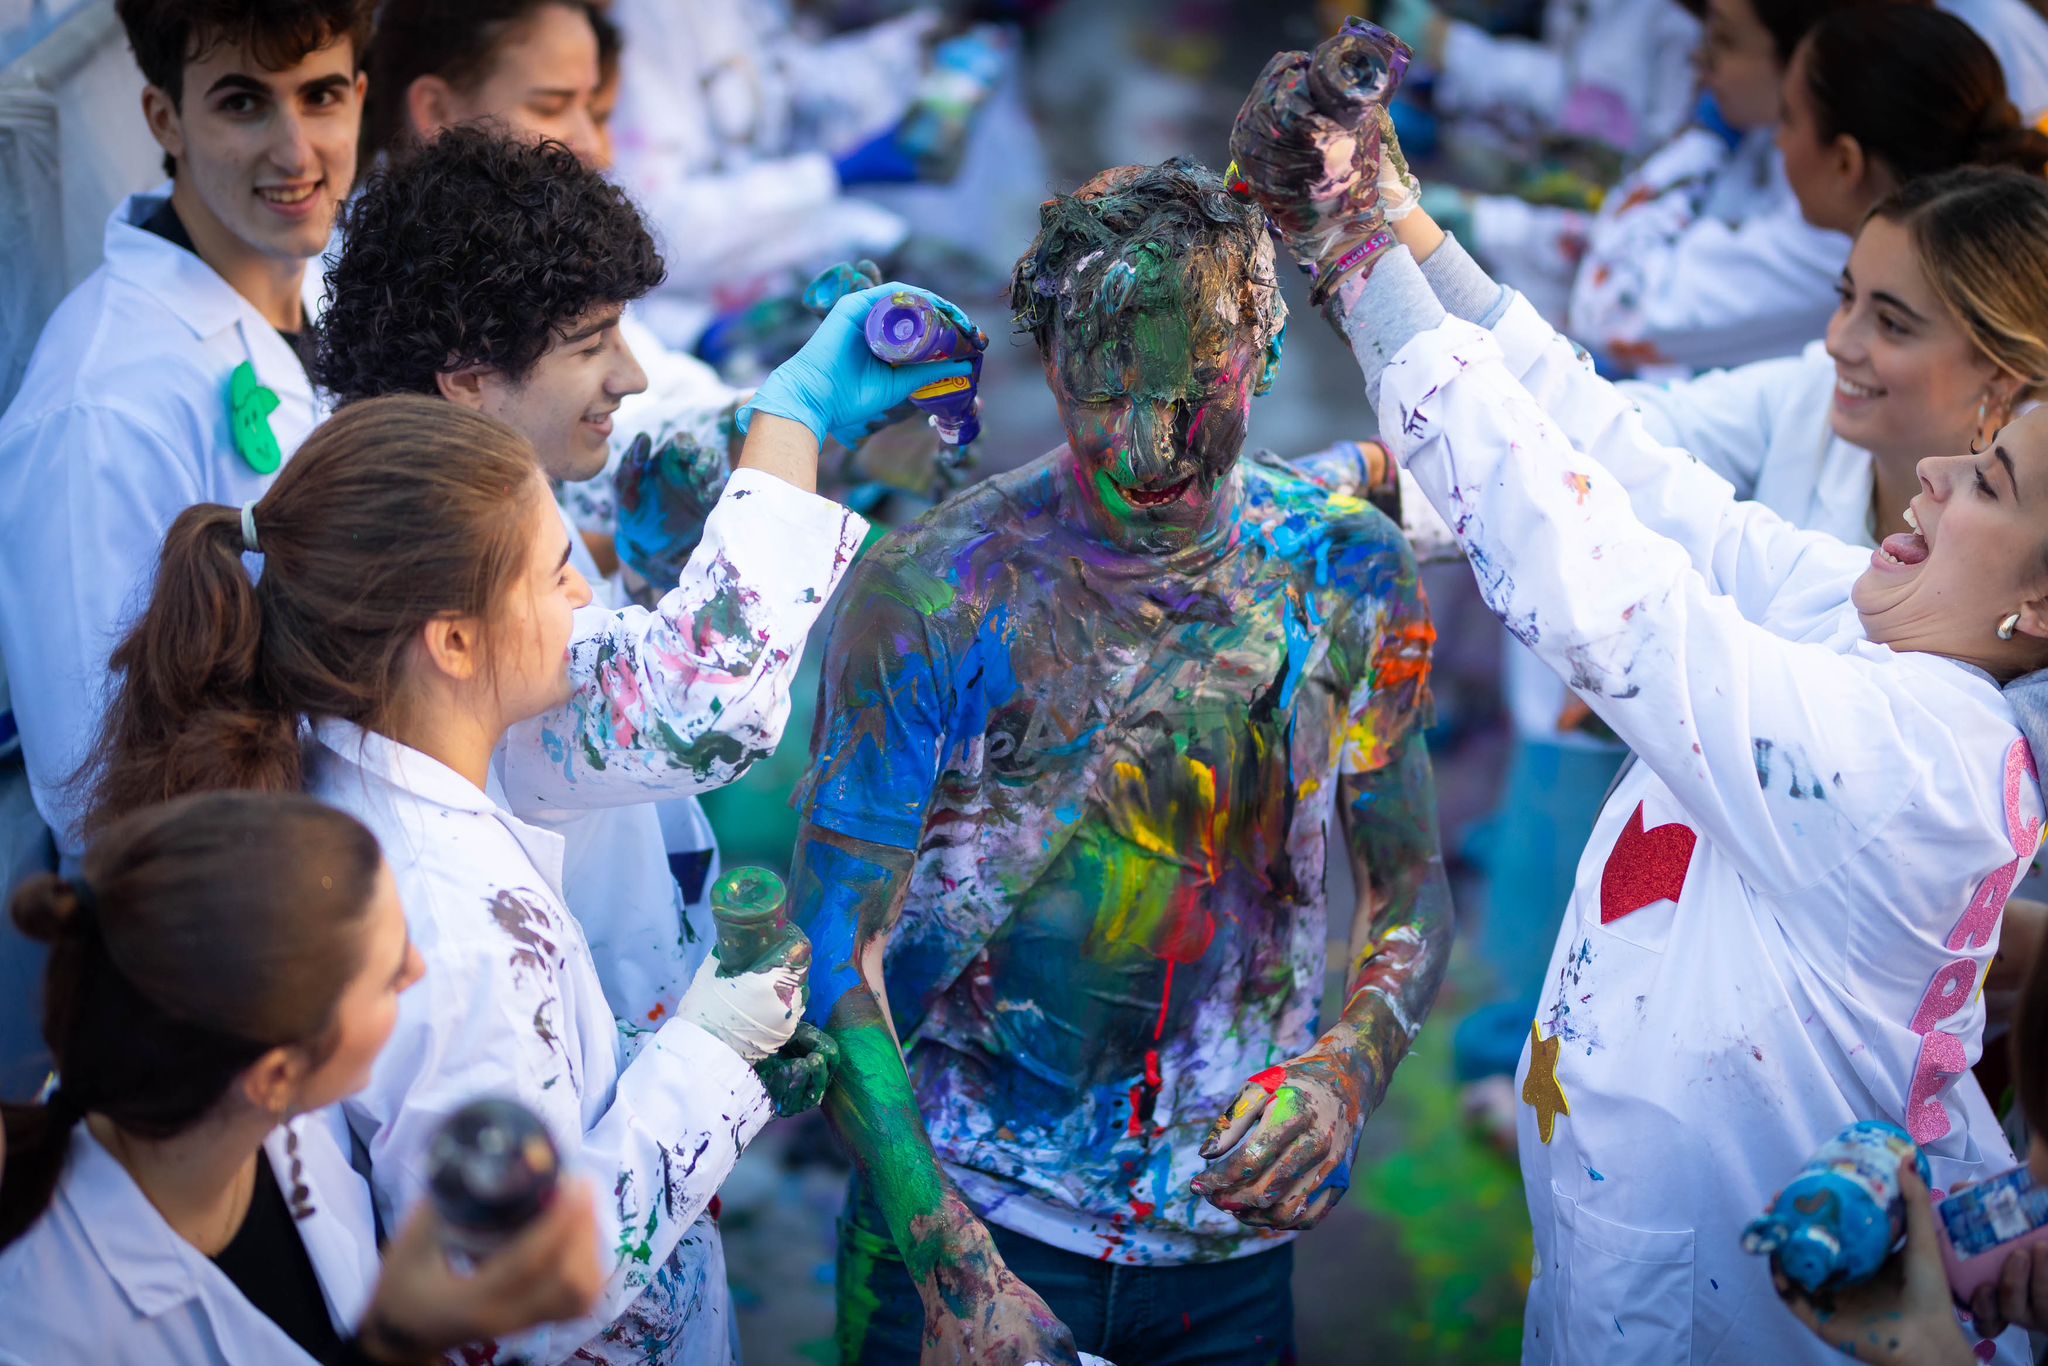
{"x": 406, "y": 655}
{"x": 222, "y": 971}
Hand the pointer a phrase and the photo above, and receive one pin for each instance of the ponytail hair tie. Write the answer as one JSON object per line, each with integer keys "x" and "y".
{"x": 249, "y": 528}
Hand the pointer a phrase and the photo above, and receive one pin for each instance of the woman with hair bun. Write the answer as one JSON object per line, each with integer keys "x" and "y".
{"x": 224, "y": 969}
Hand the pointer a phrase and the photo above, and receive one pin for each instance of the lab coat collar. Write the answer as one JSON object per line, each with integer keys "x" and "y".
{"x": 420, "y": 775}
{"x": 194, "y": 292}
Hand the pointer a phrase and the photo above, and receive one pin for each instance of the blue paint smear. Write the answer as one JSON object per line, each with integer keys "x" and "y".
{"x": 833, "y": 887}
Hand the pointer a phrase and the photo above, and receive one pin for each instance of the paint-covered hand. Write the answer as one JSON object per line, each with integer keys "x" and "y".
{"x": 664, "y": 491}
{"x": 1900, "y": 1317}
{"x": 991, "y": 1318}
{"x": 1306, "y": 144}
{"x": 756, "y": 1012}
{"x": 836, "y": 386}
{"x": 796, "y": 1077}
{"x": 1280, "y": 1156}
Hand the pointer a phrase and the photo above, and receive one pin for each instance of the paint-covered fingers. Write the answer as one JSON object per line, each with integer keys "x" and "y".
{"x": 754, "y": 1013}
{"x": 2018, "y": 1298}
{"x": 1234, "y": 1123}
{"x": 1278, "y": 1193}
{"x": 1005, "y": 1323}
{"x": 797, "y": 1076}
{"x": 1227, "y": 1177}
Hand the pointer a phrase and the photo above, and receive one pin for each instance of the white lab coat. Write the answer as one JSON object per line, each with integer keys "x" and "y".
{"x": 121, "y": 423}
{"x": 1615, "y": 71}
{"x": 1784, "y": 908}
{"x": 1701, "y": 258}
{"x": 102, "y": 1278}
{"x": 665, "y": 701}
{"x": 706, "y": 141}
{"x": 1764, "y": 427}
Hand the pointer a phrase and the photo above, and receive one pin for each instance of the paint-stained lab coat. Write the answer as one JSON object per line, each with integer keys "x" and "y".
{"x": 668, "y": 701}
{"x": 1785, "y": 908}
{"x": 121, "y": 423}
{"x": 1616, "y": 71}
{"x": 101, "y": 1278}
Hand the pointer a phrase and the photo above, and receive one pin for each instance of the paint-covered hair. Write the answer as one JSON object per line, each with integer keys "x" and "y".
{"x": 1981, "y": 237}
{"x": 479, "y": 249}
{"x": 1126, "y": 244}
{"x": 394, "y": 513}
{"x": 1857, "y": 62}
{"x": 198, "y": 936}
{"x": 457, "y": 40}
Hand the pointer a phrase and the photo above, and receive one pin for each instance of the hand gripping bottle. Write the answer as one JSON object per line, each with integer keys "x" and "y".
{"x": 1838, "y": 1220}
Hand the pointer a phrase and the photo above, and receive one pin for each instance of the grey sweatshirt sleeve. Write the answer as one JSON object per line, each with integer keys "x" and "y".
{"x": 1379, "y": 315}
{"x": 1462, "y": 285}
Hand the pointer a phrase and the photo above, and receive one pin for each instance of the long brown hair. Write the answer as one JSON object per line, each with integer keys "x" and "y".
{"x": 1981, "y": 237}
{"x": 395, "y": 512}
{"x": 199, "y": 935}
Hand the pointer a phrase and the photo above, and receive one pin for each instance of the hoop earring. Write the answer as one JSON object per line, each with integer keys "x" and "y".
{"x": 2008, "y": 626}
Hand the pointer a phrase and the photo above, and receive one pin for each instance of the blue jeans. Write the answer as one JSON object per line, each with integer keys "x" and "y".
{"x": 1234, "y": 1313}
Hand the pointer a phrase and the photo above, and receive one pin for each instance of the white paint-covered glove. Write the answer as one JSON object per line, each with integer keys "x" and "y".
{"x": 754, "y": 1013}
{"x": 1400, "y": 191}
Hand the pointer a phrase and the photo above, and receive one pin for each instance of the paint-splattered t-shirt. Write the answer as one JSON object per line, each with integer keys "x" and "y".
{"x": 1118, "y": 774}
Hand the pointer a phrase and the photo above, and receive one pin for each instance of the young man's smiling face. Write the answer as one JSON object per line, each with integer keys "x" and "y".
{"x": 564, "y": 404}
{"x": 264, "y": 158}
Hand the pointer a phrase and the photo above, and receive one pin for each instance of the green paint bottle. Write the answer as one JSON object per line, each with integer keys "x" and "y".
{"x": 751, "y": 908}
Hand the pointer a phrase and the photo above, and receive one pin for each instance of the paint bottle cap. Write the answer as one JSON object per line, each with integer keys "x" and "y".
{"x": 491, "y": 1167}
{"x": 1811, "y": 1255}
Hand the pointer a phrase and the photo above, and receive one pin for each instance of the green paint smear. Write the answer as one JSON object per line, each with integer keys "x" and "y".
{"x": 916, "y": 588}
{"x": 1457, "y": 1210}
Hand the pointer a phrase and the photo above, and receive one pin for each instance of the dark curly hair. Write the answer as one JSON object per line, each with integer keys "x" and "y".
{"x": 1129, "y": 241}
{"x": 478, "y": 250}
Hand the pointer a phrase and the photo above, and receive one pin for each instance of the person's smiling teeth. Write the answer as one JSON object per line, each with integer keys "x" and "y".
{"x": 1855, "y": 390}
{"x": 288, "y": 194}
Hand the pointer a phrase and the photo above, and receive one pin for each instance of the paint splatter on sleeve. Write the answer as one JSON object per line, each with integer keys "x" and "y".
{"x": 665, "y": 487}
{"x": 683, "y": 698}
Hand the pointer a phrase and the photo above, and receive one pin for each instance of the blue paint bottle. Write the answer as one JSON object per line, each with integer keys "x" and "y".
{"x": 1838, "y": 1220}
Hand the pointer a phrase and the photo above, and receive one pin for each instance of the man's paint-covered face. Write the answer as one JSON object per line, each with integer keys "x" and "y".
{"x": 1160, "y": 347}
{"x": 1156, "y": 410}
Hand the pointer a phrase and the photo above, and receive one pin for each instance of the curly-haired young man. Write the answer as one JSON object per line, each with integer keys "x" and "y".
{"x": 172, "y": 374}
{"x": 491, "y": 271}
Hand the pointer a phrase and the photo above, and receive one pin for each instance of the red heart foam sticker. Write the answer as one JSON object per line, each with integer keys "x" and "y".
{"x": 1646, "y": 867}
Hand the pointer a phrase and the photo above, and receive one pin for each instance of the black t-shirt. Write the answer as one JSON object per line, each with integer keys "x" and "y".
{"x": 165, "y": 223}
{"x": 268, "y": 1263}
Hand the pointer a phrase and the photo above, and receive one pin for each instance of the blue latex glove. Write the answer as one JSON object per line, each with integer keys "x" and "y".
{"x": 836, "y": 386}
{"x": 1708, "y": 116}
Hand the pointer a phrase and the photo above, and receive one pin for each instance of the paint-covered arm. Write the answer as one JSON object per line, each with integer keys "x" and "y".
{"x": 885, "y": 721}
{"x": 1281, "y": 1155}
{"x": 488, "y": 1021}
{"x": 1720, "y": 708}
{"x": 684, "y": 697}
{"x": 848, "y": 894}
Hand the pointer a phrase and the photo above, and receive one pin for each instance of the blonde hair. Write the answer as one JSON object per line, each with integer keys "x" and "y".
{"x": 1982, "y": 240}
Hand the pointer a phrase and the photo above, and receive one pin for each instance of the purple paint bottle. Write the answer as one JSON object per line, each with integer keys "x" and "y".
{"x": 1356, "y": 69}
{"x": 491, "y": 1167}
{"x": 1838, "y": 1220}
{"x": 908, "y": 329}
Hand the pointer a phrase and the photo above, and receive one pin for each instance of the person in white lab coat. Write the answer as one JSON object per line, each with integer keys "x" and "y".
{"x": 171, "y": 375}
{"x": 1785, "y": 906}
{"x": 1829, "y": 438}
{"x": 455, "y": 280}
{"x": 1776, "y": 428}
{"x": 417, "y": 606}
{"x": 223, "y": 971}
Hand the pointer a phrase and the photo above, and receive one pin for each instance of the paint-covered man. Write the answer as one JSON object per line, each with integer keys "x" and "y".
{"x": 1083, "y": 732}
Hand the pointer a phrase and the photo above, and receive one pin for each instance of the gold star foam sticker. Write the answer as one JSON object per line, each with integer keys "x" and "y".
{"x": 1541, "y": 1090}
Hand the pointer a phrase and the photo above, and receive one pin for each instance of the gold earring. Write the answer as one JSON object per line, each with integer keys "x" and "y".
{"x": 2008, "y": 626}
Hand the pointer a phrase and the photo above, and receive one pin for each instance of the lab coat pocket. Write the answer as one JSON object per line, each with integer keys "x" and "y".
{"x": 1630, "y": 1290}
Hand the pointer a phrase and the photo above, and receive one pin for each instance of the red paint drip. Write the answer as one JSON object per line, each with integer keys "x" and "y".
{"x": 658, "y": 1011}
{"x": 1141, "y": 1209}
{"x": 1137, "y": 1128}
{"x": 1270, "y": 1080}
